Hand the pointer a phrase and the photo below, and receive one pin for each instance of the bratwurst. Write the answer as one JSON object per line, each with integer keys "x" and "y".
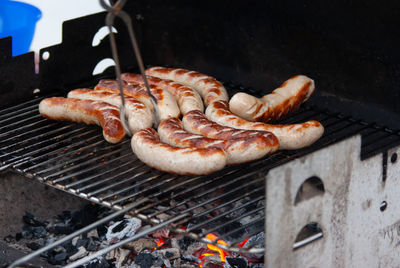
{"x": 150, "y": 150}
{"x": 275, "y": 105}
{"x": 85, "y": 111}
{"x": 237, "y": 150}
{"x": 291, "y": 137}
{"x": 139, "y": 115}
{"x": 187, "y": 98}
{"x": 208, "y": 87}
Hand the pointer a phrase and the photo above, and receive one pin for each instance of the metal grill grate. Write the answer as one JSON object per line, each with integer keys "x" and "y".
{"x": 230, "y": 203}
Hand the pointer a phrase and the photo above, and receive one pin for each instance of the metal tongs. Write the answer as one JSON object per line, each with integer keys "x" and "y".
{"x": 116, "y": 11}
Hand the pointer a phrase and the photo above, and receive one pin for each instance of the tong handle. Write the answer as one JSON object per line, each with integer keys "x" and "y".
{"x": 113, "y": 11}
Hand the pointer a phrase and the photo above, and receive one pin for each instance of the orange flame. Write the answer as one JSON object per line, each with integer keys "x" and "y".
{"x": 159, "y": 242}
{"x": 221, "y": 253}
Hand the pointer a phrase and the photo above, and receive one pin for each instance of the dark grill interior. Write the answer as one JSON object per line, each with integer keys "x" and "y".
{"x": 230, "y": 203}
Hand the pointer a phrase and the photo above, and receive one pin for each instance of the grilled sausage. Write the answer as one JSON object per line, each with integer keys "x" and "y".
{"x": 187, "y": 98}
{"x": 237, "y": 151}
{"x": 290, "y": 137}
{"x": 150, "y": 150}
{"x": 275, "y": 105}
{"x": 85, "y": 111}
{"x": 139, "y": 115}
{"x": 136, "y": 91}
{"x": 259, "y": 143}
{"x": 208, "y": 87}
{"x": 166, "y": 103}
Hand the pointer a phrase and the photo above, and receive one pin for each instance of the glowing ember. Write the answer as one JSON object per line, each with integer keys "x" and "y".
{"x": 159, "y": 242}
{"x": 221, "y": 253}
{"x": 243, "y": 242}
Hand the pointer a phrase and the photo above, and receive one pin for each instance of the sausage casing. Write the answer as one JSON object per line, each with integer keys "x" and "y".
{"x": 149, "y": 149}
{"x": 291, "y": 137}
{"x": 85, "y": 111}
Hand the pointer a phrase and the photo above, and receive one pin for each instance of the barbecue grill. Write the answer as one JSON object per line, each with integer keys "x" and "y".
{"x": 292, "y": 196}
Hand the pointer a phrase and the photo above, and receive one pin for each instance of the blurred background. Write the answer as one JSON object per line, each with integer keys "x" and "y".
{"x": 48, "y": 27}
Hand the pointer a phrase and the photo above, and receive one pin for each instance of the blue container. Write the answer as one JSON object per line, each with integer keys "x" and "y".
{"x": 19, "y": 21}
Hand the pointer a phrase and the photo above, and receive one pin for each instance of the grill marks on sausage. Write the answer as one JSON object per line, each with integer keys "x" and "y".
{"x": 165, "y": 101}
{"x": 85, "y": 111}
{"x": 291, "y": 137}
{"x": 187, "y": 98}
{"x": 139, "y": 115}
{"x": 135, "y": 91}
{"x": 274, "y": 106}
{"x": 287, "y": 106}
{"x": 197, "y": 122}
{"x": 149, "y": 149}
{"x": 208, "y": 87}
{"x": 237, "y": 150}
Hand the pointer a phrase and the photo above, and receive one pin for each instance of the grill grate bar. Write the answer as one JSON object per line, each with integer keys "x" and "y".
{"x": 39, "y": 137}
{"x": 66, "y": 152}
{"x": 94, "y": 176}
{"x": 85, "y": 165}
{"x": 209, "y": 200}
{"x": 29, "y": 132}
{"x": 19, "y": 122}
{"x": 20, "y": 106}
{"x": 258, "y": 222}
{"x": 238, "y": 208}
{"x": 17, "y": 114}
{"x": 113, "y": 177}
{"x": 12, "y": 131}
{"x": 143, "y": 180}
{"x": 26, "y": 155}
{"x": 81, "y": 171}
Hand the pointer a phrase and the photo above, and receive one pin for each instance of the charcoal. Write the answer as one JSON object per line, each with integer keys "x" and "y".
{"x": 9, "y": 238}
{"x": 92, "y": 246}
{"x": 121, "y": 229}
{"x": 235, "y": 262}
{"x": 18, "y": 236}
{"x": 185, "y": 242}
{"x": 82, "y": 252}
{"x": 33, "y": 245}
{"x": 61, "y": 229}
{"x": 138, "y": 245}
{"x": 101, "y": 230}
{"x": 82, "y": 242}
{"x": 69, "y": 248}
{"x": 144, "y": 260}
{"x": 32, "y": 221}
{"x": 26, "y": 234}
{"x": 58, "y": 258}
{"x": 99, "y": 262}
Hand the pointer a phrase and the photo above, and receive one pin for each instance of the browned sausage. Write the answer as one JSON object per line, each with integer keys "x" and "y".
{"x": 275, "y": 105}
{"x": 290, "y": 137}
{"x": 139, "y": 115}
{"x": 150, "y": 150}
{"x": 259, "y": 143}
{"x": 237, "y": 151}
{"x": 85, "y": 111}
{"x": 166, "y": 103}
{"x": 208, "y": 87}
{"x": 187, "y": 98}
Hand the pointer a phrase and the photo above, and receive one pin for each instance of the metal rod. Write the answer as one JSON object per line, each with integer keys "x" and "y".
{"x": 74, "y": 234}
{"x": 123, "y": 242}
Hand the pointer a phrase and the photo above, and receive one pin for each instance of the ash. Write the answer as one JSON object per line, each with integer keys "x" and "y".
{"x": 159, "y": 249}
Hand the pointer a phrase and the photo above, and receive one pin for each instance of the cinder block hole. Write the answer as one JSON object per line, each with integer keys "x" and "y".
{"x": 311, "y": 187}
{"x": 308, "y": 234}
{"x": 393, "y": 158}
{"x": 383, "y": 206}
